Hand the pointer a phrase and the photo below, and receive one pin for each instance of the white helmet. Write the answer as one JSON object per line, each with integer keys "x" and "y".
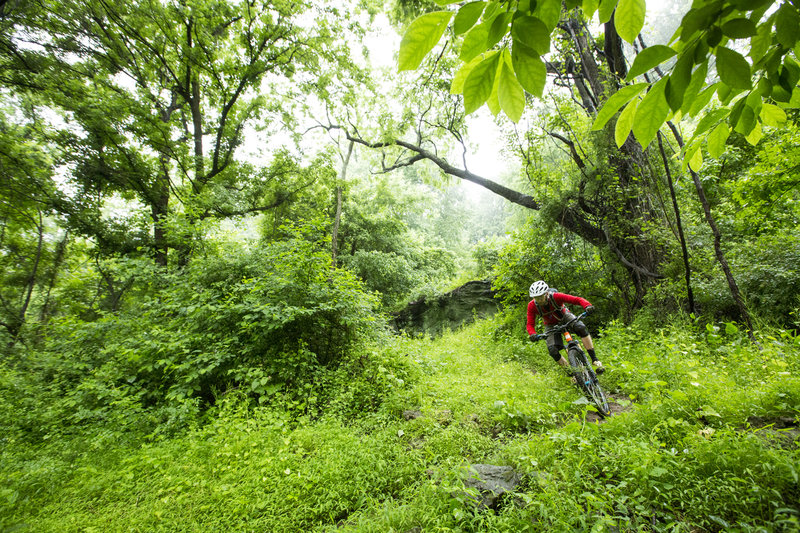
{"x": 538, "y": 288}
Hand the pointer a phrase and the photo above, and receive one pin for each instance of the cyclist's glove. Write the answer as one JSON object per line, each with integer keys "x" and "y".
{"x": 589, "y": 309}
{"x": 536, "y": 337}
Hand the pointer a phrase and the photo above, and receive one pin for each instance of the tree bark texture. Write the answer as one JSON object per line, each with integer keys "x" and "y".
{"x": 720, "y": 254}
{"x": 338, "y": 214}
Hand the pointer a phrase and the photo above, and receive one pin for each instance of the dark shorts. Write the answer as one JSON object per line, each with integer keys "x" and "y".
{"x": 555, "y": 341}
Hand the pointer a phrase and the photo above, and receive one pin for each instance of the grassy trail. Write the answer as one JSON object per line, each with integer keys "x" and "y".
{"x": 688, "y": 454}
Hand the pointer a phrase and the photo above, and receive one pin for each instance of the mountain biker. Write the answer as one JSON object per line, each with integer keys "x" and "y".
{"x": 551, "y": 305}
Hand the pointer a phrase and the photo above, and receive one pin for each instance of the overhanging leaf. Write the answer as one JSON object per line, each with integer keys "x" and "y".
{"x": 467, "y": 16}
{"x": 605, "y": 10}
{"x": 420, "y": 38}
{"x": 629, "y": 19}
{"x": 696, "y": 83}
{"x": 702, "y": 100}
{"x": 533, "y": 33}
{"x": 696, "y": 160}
{"x": 457, "y": 85}
{"x": 530, "y": 69}
{"x": 651, "y": 114}
{"x": 649, "y": 58}
{"x": 772, "y": 115}
{"x": 717, "y": 139}
{"x": 498, "y": 29}
{"x": 739, "y": 28}
{"x": 755, "y": 134}
{"x": 710, "y": 120}
{"x": 549, "y": 11}
{"x": 733, "y": 69}
{"x": 589, "y": 7}
{"x": 615, "y": 102}
{"x": 787, "y": 26}
{"x": 479, "y": 83}
{"x": 474, "y": 42}
{"x": 625, "y": 122}
{"x": 510, "y": 93}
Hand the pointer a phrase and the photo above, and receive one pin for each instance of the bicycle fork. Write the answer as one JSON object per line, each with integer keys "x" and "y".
{"x": 572, "y": 344}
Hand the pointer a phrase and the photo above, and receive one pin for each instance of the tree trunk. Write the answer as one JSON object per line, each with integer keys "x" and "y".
{"x": 160, "y": 209}
{"x": 684, "y": 250}
{"x": 61, "y": 250}
{"x": 338, "y": 214}
{"x": 723, "y": 262}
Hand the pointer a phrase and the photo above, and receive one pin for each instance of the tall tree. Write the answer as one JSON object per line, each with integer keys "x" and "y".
{"x": 26, "y": 255}
{"x": 163, "y": 92}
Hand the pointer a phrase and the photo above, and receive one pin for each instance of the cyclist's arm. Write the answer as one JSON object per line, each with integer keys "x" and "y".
{"x": 531, "y": 322}
{"x": 562, "y": 298}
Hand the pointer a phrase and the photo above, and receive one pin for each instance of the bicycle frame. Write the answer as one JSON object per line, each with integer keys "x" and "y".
{"x": 585, "y": 377}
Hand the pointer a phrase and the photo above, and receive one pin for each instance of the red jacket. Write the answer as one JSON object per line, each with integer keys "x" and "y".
{"x": 552, "y": 315}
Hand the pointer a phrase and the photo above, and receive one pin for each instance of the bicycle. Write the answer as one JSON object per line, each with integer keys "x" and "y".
{"x": 585, "y": 376}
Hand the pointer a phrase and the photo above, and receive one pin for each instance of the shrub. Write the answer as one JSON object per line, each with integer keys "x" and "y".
{"x": 266, "y": 321}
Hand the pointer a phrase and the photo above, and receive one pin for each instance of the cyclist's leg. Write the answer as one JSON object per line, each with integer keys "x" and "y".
{"x": 555, "y": 345}
{"x": 586, "y": 339}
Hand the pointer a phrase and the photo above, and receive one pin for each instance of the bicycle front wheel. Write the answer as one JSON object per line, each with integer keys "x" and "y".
{"x": 587, "y": 382}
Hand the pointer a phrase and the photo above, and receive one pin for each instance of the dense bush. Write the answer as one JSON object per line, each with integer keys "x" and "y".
{"x": 266, "y": 321}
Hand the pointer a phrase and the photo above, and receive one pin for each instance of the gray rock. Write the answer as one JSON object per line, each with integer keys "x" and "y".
{"x": 492, "y": 482}
{"x": 451, "y": 310}
{"x": 412, "y": 414}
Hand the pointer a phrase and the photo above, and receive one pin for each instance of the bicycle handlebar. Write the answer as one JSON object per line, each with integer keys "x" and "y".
{"x": 563, "y": 327}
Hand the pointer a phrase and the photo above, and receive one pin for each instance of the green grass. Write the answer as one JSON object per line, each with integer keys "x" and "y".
{"x": 690, "y": 453}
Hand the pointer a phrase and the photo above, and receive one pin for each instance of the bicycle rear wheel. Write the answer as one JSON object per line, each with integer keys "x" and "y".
{"x": 587, "y": 382}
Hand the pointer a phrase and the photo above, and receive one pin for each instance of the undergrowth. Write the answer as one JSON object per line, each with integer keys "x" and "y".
{"x": 705, "y": 439}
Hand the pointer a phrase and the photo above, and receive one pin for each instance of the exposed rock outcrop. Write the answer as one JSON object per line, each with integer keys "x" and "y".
{"x": 450, "y": 310}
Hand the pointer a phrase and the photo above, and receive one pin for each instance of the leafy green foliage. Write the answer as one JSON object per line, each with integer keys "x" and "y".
{"x": 708, "y": 29}
{"x": 421, "y": 36}
{"x": 266, "y": 322}
{"x": 699, "y": 448}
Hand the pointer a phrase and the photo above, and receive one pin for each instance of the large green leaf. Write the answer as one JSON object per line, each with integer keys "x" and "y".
{"x": 711, "y": 119}
{"x": 457, "y": 85}
{"x": 533, "y": 33}
{"x": 625, "y": 122}
{"x": 762, "y": 41}
{"x": 493, "y": 102}
{"x": 615, "y": 102}
{"x": 498, "y": 29}
{"x": 467, "y": 16}
{"x": 696, "y": 159}
{"x": 787, "y": 26}
{"x": 629, "y": 19}
{"x": 479, "y": 83}
{"x": 679, "y": 79}
{"x": 747, "y": 120}
{"x": 698, "y": 19}
{"x": 605, "y": 10}
{"x": 651, "y": 114}
{"x": 549, "y": 12}
{"x": 733, "y": 69}
{"x": 649, "y": 58}
{"x": 420, "y": 38}
{"x": 696, "y": 83}
{"x": 474, "y": 42}
{"x": 772, "y": 115}
{"x": 702, "y": 100}
{"x": 510, "y": 93}
{"x": 739, "y": 28}
{"x": 755, "y": 134}
{"x": 717, "y": 139}
{"x": 589, "y": 7}
{"x": 530, "y": 69}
